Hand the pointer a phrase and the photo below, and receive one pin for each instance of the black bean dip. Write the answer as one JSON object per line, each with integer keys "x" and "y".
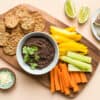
{"x": 46, "y": 50}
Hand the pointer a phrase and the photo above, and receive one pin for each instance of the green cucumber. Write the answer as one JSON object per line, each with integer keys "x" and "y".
{"x": 78, "y": 64}
{"x": 79, "y": 57}
{"x": 73, "y": 68}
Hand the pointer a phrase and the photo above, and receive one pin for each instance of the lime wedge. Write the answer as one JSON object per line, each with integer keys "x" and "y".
{"x": 83, "y": 14}
{"x": 70, "y": 9}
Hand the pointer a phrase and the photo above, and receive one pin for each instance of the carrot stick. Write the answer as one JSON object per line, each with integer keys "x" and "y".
{"x": 66, "y": 77}
{"x": 74, "y": 78}
{"x": 56, "y": 78}
{"x": 66, "y": 89}
{"x": 64, "y": 67}
{"x": 65, "y": 80}
{"x": 52, "y": 81}
{"x": 77, "y": 77}
{"x": 60, "y": 81}
{"x": 83, "y": 78}
{"x": 73, "y": 83}
{"x": 70, "y": 78}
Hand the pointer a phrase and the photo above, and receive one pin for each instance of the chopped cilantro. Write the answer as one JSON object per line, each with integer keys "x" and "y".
{"x": 30, "y": 56}
{"x": 33, "y": 65}
{"x": 25, "y": 51}
{"x": 26, "y": 58}
{"x": 36, "y": 57}
{"x": 30, "y": 50}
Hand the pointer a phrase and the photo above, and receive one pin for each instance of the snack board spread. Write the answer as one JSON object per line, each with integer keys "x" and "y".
{"x": 46, "y": 21}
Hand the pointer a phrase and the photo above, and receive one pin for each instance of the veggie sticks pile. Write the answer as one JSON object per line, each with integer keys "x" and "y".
{"x": 67, "y": 76}
{"x": 63, "y": 81}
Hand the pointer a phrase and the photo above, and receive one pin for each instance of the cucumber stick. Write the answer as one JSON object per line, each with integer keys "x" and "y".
{"x": 79, "y": 57}
{"x": 78, "y": 64}
{"x": 73, "y": 68}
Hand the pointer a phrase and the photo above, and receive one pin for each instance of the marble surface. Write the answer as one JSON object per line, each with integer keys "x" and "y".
{"x": 29, "y": 89}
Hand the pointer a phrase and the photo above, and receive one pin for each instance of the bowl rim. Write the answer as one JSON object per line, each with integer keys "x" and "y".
{"x": 26, "y": 67}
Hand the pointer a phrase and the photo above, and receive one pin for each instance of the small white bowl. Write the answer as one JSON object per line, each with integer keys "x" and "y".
{"x": 25, "y": 66}
{"x": 93, "y": 27}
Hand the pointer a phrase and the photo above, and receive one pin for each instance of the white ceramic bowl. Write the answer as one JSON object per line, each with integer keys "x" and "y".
{"x": 94, "y": 27}
{"x": 25, "y": 66}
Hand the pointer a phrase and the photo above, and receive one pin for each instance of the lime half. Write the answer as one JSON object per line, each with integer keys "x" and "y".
{"x": 70, "y": 9}
{"x": 83, "y": 14}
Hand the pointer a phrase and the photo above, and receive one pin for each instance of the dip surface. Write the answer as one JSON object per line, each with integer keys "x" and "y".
{"x": 45, "y": 51}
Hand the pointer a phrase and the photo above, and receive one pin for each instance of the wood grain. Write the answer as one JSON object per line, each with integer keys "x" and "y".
{"x": 94, "y": 52}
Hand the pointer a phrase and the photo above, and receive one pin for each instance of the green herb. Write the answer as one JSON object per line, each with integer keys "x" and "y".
{"x": 29, "y": 50}
{"x": 36, "y": 57}
{"x": 30, "y": 56}
{"x": 26, "y": 58}
{"x": 25, "y": 51}
{"x": 34, "y": 48}
{"x": 33, "y": 65}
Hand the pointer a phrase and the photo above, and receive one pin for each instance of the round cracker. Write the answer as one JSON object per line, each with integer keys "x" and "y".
{"x": 17, "y": 29}
{"x": 21, "y": 12}
{"x": 11, "y": 20}
{"x": 39, "y": 27}
{"x": 10, "y": 48}
{"x": 39, "y": 21}
{"x": 27, "y": 23}
{"x": 3, "y": 38}
{"x": 2, "y": 25}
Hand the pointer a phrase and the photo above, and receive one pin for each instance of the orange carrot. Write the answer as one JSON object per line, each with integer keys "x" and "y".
{"x": 83, "y": 78}
{"x": 65, "y": 81}
{"x": 74, "y": 76}
{"x": 66, "y": 89}
{"x": 52, "y": 81}
{"x": 66, "y": 77}
{"x": 56, "y": 78}
{"x": 60, "y": 81}
{"x": 73, "y": 83}
{"x": 77, "y": 77}
{"x": 65, "y": 69}
{"x": 70, "y": 78}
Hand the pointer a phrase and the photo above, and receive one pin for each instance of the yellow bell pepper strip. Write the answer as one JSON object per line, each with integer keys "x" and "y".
{"x": 72, "y": 46}
{"x": 62, "y": 32}
{"x": 61, "y": 39}
{"x": 71, "y": 29}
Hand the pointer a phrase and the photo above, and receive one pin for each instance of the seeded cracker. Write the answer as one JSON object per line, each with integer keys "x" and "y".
{"x": 39, "y": 21}
{"x": 21, "y": 12}
{"x": 12, "y": 42}
{"x": 17, "y": 29}
{"x": 3, "y": 38}
{"x": 27, "y": 23}
{"x": 11, "y": 20}
{"x": 2, "y": 25}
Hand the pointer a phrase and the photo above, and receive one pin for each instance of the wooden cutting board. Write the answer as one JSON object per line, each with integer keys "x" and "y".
{"x": 44, "y": 80}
